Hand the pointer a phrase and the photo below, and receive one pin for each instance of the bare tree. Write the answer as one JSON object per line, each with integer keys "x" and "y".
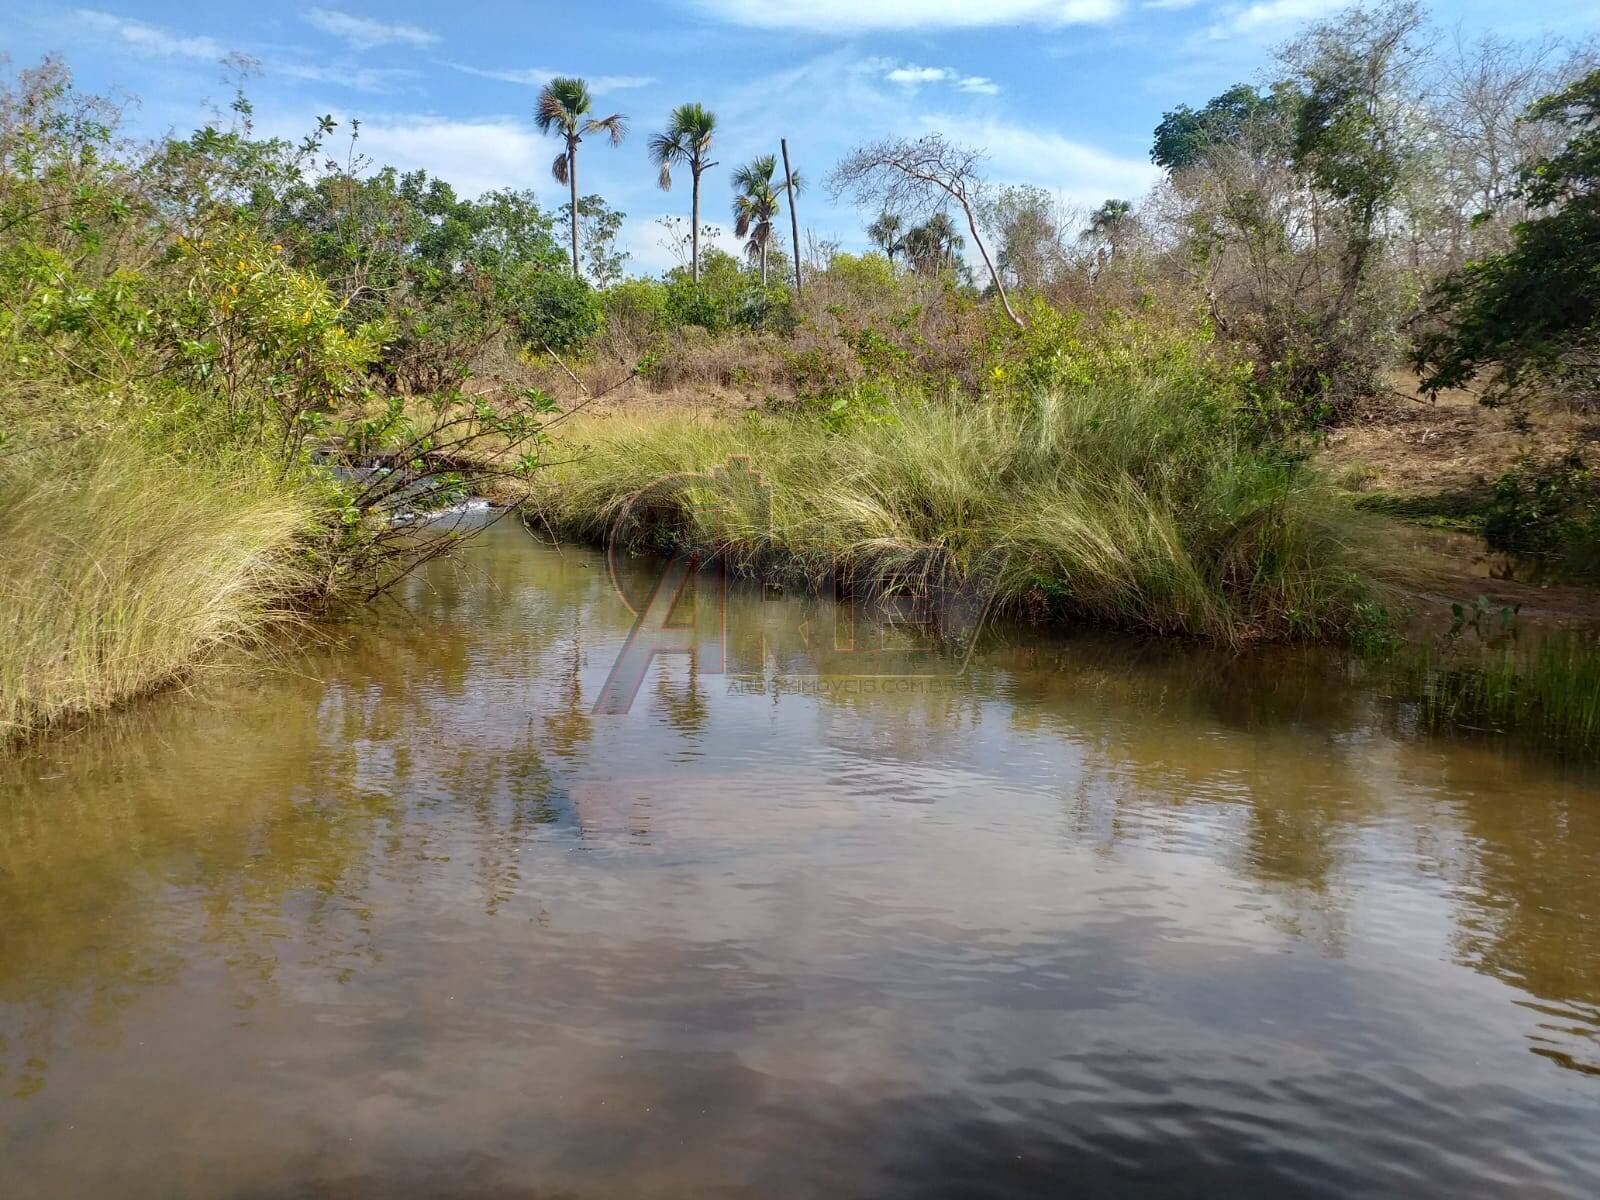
{"x": 1481, "y": 139}
{"x": 917, "y": 179}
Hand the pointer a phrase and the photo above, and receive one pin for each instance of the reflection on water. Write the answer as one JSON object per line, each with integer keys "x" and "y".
{"x": 407, "y": 919}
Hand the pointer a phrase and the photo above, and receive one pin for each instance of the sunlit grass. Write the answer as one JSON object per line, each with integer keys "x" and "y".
{"x": 1125, "y": 506}
{"x": 121, "y": 569}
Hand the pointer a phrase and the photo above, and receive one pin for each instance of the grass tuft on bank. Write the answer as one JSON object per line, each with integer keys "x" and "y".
{"x": 1547, "y": 693}
{"x": 121, "y": 569}
{"x": 1130, "y": 502}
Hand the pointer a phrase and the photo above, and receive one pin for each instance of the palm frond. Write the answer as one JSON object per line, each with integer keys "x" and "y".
{"x": 562, "y": 103}
{"x": 559, "y": 167}
{"x": 666, "y": 149}
{"x": 695, "y": 121}
{"x": 615, "y": 127}
{"x": 755, "y": 174}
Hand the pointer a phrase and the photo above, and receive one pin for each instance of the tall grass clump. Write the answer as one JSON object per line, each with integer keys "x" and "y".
{"x": 120, "y": 569}
{"x": 1134, "y": 500}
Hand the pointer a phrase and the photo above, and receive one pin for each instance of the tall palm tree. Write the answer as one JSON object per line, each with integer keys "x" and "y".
{"x": 563, "y": 109}
{"x": 884, "y": 233}
{"x": 686, "y": 140}
{"x": 756, "y": 207}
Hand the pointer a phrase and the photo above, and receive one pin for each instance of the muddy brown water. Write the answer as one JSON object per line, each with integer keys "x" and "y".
{"x": 405, "y": 917}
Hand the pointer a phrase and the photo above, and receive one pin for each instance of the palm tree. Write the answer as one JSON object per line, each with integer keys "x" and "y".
{"x": 884, "y": 233}
{"x": 1110, "y": 223}
{"x": 687, "y": 140}
{"x": 756, "y": 207}
{"x": 563, "y": 109}
{"x": 933, "y": 245}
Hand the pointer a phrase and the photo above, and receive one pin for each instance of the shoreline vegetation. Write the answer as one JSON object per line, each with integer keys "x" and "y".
{"x": 233, "y": 368}
{"x": 1137, "y": 506}
{"x": 125, "y": 569}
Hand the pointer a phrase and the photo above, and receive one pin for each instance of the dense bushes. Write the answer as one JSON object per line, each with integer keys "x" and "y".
{"x": 725, "y": 297}
{"x": 171, "y": 357}
{"x": 558, "y": 311}
{"x": 1547, "y": 508}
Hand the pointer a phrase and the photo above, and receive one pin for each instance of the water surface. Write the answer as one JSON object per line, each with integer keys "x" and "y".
{"x": 1097, "y": 917}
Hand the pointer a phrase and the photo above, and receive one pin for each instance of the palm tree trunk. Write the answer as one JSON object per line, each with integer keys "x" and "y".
{"x": 572, "y": 182}
{"x": 794, "y": 215}
{"x": 763, "y": 264}
{"x": 694, "y": 230}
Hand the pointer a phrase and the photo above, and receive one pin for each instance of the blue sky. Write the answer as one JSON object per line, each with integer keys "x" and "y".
{"x": 1062, "y": 93}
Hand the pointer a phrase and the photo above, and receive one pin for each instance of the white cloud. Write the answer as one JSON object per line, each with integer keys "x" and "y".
{"x": 364, "y": 33}
{"x": 153, "y": 42}
{"x": 911, "y": 77}
{"x": 1269, "y": 16}
{"x": 1077, "y": 172}
{"x": 854, "y": 16}
{"x": 539, "y": 76}
{"x": 362, "y": 79}
{"x": 474, "y": 156}
{"x": 915, "y": 76}
{"x": 147, "y": 39}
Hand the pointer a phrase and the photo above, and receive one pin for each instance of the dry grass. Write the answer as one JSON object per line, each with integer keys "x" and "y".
{"x": 1412, "y": 448}
{"x": 122, "y": 569}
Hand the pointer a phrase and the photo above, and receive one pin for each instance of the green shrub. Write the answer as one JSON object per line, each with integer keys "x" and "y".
{"x": 1547, "y": 508}
{"x": 1062, "y": 351}
{"x": 637, "y": 305}
{"x": 726, "y": 296}
{"x": 558, "y": 311}
{"x": 865, "y": 281}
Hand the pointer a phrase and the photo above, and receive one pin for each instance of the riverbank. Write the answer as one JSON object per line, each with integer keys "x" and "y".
{"x": 1126, "y": 506}
{"x": 1130, "y": 512}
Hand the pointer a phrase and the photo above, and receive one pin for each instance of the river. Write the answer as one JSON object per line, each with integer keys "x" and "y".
{"x": 403, "y": 916}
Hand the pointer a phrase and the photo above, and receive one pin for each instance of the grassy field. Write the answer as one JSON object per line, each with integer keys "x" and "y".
{"x": 122, "y": 570}
{"x": 1127, "y": 506}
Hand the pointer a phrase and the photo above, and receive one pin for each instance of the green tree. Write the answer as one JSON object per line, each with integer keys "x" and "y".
{"x": 756, "y": 207}
{"x": 1185, "y": 134}
{"x": 563, "y": 109}
{"x": 1536, "y": 308}
{"x": 1356, "y": 131}
{"x": 686, "y": 141}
